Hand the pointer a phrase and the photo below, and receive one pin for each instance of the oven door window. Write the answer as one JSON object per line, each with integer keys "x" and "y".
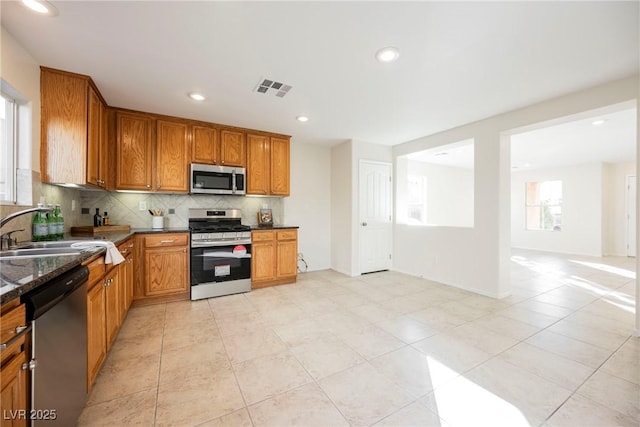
{"x": 220, "y": 264}
{"x": 212, "y": 180}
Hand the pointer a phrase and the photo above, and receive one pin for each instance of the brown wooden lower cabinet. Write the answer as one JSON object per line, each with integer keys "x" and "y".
{"x": 108, "y": 300}
{"x": 14, "y": 378}
{"x": 274, "y": 257}
{"x": 112, "y": 305}
{"x": 162, "y": 274}
{"x": 96, "y": 332}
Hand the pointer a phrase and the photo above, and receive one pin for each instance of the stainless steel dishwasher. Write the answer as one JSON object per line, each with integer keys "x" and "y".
{"x": 59, "y": 376}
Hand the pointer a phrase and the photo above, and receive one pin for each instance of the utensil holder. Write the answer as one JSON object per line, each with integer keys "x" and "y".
{"x": 157, "y": 222}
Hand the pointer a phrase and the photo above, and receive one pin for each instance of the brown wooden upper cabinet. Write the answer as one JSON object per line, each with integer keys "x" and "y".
{"x": 268, "y": 165}
{"x": 151, "y": 164}
{"x": 73, "y": 130}
{"x": 223, "y": 147}
{"x": 232, "y": 148}
{"x": 134, "y": 151}
{"x": 205, "y": 146}
{"x": 172, "y": 157}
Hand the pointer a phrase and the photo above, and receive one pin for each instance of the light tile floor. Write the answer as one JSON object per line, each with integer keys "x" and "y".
{"x": 386, "y": 349}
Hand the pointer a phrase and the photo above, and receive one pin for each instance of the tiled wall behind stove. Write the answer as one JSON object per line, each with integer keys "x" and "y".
{"x": 123, "y": 208}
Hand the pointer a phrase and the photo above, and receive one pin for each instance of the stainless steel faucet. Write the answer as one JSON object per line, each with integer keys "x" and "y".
{"x": 6, "y": 237}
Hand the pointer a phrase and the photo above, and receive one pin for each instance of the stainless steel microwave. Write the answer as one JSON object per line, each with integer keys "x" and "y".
{"x": 210, "y": 179}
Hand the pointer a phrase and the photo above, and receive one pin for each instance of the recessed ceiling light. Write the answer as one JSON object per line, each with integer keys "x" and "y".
{"x": 387, "y": 54}
{"x": 598, "y": 122}
{"x": 197, "y": 96}
{"x": 302, "y": 119}
{"x": 42, "y": 7}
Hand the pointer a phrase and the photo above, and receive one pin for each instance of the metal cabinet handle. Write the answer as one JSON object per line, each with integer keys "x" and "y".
{"x": 148, "y": 185}
{"x": 30, "y": 365}
{"x": 158, "y": 186}
{"x": 167, "y": 241}
{"x": 19, "y": 331}
{"x": 130, "y": 245}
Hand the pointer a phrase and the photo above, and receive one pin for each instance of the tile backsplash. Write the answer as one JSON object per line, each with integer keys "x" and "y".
{"x": 123, "y": 208}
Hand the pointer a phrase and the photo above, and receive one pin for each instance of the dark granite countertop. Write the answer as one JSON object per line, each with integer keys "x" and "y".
{"x": 21, "y": 275}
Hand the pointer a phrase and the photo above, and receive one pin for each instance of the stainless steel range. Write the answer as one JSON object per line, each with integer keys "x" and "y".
{"x": 220, "y": 253}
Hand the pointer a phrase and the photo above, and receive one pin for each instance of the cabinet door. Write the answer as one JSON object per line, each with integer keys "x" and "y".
{"x": 232, "y": 148}
{"x": 133, "y": 152}
{"x": 287, "y": 258}
{"x": 205, "y": 147}
{"x": 94, "y": 138}
{"x": 63, "y": 156}
{"x": 96, "y": 332}
{"x": 263, "y": 261}
{"x": 167, "y": 270}
{"x": 257, "y": 164}
{"x": 280, "y": 167}
{"x": 172, "y": 157}
{"x": 112, "y": 306}
{"x": 13, "y": 394}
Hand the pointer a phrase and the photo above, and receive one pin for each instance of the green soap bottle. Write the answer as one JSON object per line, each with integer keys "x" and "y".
{"x": 59, "y": 222}
{"x": 40, "y": 229}
{"x": 52, "y": 224}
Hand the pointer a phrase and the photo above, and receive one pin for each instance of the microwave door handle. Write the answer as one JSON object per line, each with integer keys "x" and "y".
{"x": 233, "y": 181}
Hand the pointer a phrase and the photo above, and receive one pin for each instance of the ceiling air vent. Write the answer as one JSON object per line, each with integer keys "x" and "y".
{"x": 266, "y": 86}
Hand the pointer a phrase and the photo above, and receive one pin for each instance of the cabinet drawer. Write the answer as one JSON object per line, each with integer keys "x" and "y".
{"x": 287, "y": 234}
{"x": 262, "y": 236}
{"x": 97, "y": 269}
{"x": 126, "y": 248}
{"x": 13, "y": 322}
{"x": 161, "y": 240}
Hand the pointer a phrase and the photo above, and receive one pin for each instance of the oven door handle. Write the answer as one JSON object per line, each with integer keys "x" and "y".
{"x": 217, "y": 244}
{"x": 222, "y": 255}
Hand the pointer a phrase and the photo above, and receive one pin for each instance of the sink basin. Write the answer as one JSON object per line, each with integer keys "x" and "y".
{"x": 58, "y": 244}
{"x": 38, "y": 252}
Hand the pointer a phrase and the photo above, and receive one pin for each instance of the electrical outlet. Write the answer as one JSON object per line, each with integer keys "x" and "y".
{"x": 142, "y": 205}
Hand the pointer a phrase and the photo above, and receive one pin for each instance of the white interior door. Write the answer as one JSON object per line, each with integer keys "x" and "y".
{"x": 631, "y": 216}
{"x": 375, "y": 216}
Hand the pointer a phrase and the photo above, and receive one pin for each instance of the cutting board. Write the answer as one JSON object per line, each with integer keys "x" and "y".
{"x": 91, "y": 230}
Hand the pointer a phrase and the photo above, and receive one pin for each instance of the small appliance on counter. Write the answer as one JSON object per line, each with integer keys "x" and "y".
{"x": 220, "y": 253}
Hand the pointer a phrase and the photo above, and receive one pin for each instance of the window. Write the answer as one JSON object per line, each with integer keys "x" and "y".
{"x": 8, "y": 148}
{"x": 544, "y": 205}
{"x": 416, "y": 200}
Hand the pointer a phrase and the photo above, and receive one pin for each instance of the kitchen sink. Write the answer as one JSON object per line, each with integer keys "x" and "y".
{"x": 39, "y": 252}
{"x": 58, "y": 244}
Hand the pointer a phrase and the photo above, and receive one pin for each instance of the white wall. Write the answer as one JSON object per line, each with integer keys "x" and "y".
{"x": 341, "y": 207}
{"x": 581, "y": 210}
{"x": 309, "y": 205}
{"x": 449, "y": 193}
{"x": 478, "y": 259}
{"x": 615, "y": 207}
{"x": 22, "y": 72}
